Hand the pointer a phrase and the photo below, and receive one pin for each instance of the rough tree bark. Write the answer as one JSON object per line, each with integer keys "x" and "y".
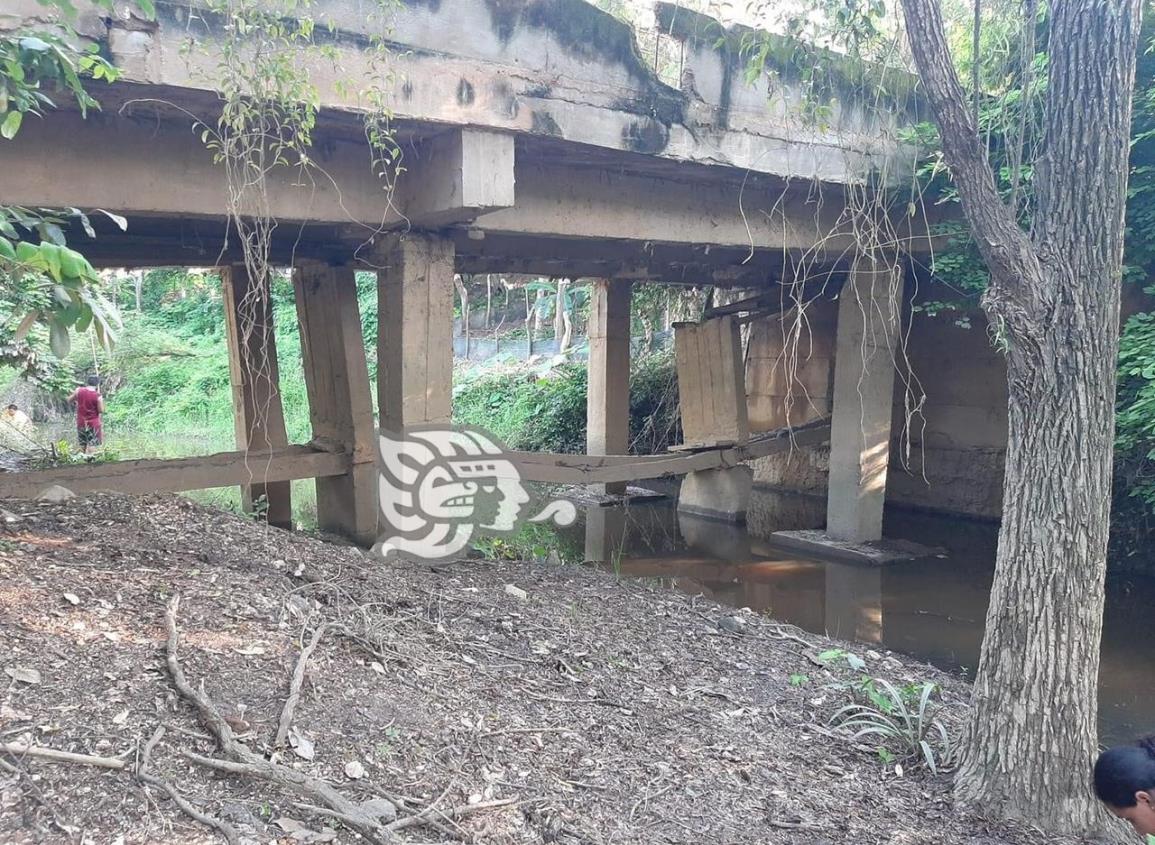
{"x": 559, "y": 301}
{"x": 1054, "y": 298}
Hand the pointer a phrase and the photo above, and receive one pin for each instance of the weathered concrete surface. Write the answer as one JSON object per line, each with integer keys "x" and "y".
{"x": 414, "y": 338}
{"x": 820, "y": 544}
{"x": 722, "y": 494}
{"x": 790, "y": 367}
{"x": 560, "y": 68}
{"x": 868, "y": 337}
{"x": 258, "y": 415}
{"x": 608, "y": 390}
{"x": 340, "y": 398}
{"x": 951, "y": 457}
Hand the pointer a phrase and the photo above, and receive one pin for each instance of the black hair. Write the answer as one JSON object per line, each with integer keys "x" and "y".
{"x": 93, "y": 381}
{"x": 1123, "y": 771}
{"x": 13, "y": 407}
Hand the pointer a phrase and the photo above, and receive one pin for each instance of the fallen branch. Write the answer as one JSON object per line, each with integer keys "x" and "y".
{"x": 144, "y": 776}
{"x": 19, "y": 749}
{"x": 295, "y": 685}
{"x": 243, "y": 761}
{"x": 456, "y": 813}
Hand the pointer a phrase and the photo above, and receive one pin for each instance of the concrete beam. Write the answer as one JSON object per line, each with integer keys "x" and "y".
{"x": 608, "y": 396}
{"x": 257, "y": 412}
{"x": 158, "y": 167}
{"x": 868, "y": 327}
{"x": 415, "y": 332}
{"x": 340, "y": 402}
{"x": 454, "y": 176}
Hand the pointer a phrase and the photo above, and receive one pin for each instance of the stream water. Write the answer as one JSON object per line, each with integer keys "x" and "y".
{"x": 930, "y": 609}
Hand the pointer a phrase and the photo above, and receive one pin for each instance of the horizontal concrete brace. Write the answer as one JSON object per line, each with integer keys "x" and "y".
{"x": 224, "y": 469}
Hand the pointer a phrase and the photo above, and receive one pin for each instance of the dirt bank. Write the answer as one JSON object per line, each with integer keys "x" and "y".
{"x": 604, "y": 711}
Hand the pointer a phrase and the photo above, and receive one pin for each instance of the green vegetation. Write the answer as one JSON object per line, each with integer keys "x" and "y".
{"x": 47, "y": 289}
{"x": 547, "y": 413}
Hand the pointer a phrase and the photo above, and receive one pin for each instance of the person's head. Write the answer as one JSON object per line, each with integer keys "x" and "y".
{"x": 93, "y": 381}
{"x": 12, "y": 409}
{"x": 1125, "y": 782}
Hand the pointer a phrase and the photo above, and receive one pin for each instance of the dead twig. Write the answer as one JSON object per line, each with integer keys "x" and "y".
{"x": 245, "y": 762}
{"x": 20, "y": 749}
{"x": 144, "y": 776}
{"x": 425, "y": 816}
{"x": 298, "y": 680}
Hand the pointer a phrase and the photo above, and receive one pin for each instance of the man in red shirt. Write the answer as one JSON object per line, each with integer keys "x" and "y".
{"x": 89, "y": 406}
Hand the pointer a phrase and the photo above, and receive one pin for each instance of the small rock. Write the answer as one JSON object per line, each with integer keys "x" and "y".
{"x": 381, "y": 809}
{"x": 8, "y": 517}
{"x": 732, "y": 624}
{"x": 55, "y": 495}
{"x": 516, "y": 592}
{"x": 72, "y": 599}
{"x": 354, "y": 770}
{"x": 11, "y": 714}
{"x": 239, "y": 814}
{"x": 23, "y": 674}
{"x": 873, "y": 655}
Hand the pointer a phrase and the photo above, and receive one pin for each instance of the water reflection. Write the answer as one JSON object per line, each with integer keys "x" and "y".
{"x": 931, "y": 609}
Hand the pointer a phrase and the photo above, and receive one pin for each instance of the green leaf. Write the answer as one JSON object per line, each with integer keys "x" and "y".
{"x": 51, "y": 254}
{"x": 53, "y": 233}
{"x": 27, "y": 253}
{"x": 115, "y": 218}
{"x": 7, "y": 250}
{"x": 34, "y": 44}
{"x": 11, "y": 125}
{"x": 58, "y": 339}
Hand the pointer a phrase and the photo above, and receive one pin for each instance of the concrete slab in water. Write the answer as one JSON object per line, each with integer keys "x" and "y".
{"x": 821, "y": 545}
{"x": 589, "y": 495}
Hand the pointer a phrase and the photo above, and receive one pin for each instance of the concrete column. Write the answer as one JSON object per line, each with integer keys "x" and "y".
{"x": 608, "y": 397}
{"x": 340, "y": 399}
{"x": 415, "y": 332}
{"x": 868, "y": 326}
{"x": 257, "y": 412}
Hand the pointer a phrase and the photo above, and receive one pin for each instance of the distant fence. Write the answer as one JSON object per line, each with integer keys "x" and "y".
{"x": 487, "y": 348}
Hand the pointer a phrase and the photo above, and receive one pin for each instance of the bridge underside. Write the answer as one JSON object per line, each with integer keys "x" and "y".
{"x": 575, "y": 200}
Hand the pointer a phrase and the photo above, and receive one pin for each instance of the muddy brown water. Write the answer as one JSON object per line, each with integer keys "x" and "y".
{"x": 930, "y": 609}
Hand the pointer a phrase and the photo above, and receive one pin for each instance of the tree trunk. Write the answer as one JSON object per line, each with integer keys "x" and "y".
{"x": 1054, "y": 297}
{"x": 528, "y": 324}
{"x": 488, "y": 301}
{"x": 567, "y": 331}
{"x": 463, "y": 293}
{"x": 559, "y": 307}
{"x": 138, "y": 285}
{"x": 647, "y": 331}
{"x": 537, "y": 309}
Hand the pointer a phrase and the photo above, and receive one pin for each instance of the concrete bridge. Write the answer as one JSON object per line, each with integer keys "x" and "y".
{"x": 536, "y": 140}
